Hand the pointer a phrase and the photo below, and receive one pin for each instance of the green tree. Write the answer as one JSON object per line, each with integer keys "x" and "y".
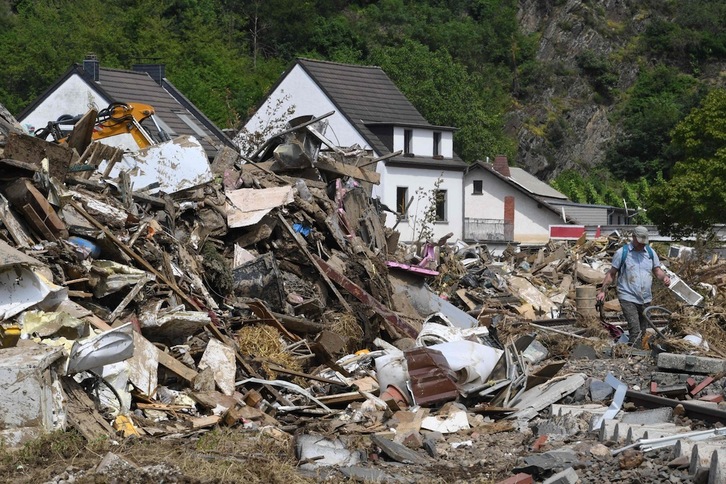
{"x": 694, "y": 198}
{"x": 660, "y": 98}
{"x": 447, "y": 94}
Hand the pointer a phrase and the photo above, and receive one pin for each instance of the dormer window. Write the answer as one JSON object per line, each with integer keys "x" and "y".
{"x": 408, "y": 142}
{"x": 437, "y": 143}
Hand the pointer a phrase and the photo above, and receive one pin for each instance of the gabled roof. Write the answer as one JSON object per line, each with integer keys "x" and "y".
{"x": 366, "y": 96}
{"x": 534, "y": 184}
{"x": 118, "y": 85}
{"x": 518, "y": 186}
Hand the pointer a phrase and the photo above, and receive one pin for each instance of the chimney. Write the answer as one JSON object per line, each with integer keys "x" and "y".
{"x": 501, "y": 165}
{"x": 508, "y": 217}
{"x": 92, "y": 67}
{"x": 156, "y": 71}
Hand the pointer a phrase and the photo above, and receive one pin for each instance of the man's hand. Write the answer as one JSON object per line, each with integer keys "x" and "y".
{"x": 667, "y": 280}
{"x": 600, "y": 296}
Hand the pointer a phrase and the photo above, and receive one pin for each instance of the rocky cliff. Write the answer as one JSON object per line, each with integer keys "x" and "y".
{"x": 586, "y": 60}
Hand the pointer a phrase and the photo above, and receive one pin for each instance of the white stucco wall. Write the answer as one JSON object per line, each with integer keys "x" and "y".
{"x": 413, "y": 179}
{"x": 298, "y": 90}
{"x": 423, "y": 141}
{"x": 531, "y": 222}
{"x": 73, "y": 97}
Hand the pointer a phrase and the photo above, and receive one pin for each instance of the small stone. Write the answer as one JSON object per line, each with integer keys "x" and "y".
{"x": 679, "y": 410}
{"x": 630, "y": 459}
{"x": 599, "y": 450}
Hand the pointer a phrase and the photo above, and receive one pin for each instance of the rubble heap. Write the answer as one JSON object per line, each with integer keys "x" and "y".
{"x": 147, "y": 295}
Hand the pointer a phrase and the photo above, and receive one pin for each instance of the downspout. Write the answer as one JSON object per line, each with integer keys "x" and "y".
{"x": 463, "y": 204}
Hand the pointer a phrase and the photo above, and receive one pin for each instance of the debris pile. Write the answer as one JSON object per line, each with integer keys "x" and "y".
{"x": 149, "y": 295}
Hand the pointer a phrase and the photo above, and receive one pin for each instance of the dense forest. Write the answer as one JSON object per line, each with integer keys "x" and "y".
{"x": 526, "y": 79}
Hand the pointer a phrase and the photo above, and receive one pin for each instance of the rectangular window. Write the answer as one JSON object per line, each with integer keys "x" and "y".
{"x": 441, "y": 206}
{"x": 478, "y": 187}
{"x": 407, "y": 141}
{"x": 437, "y": 143}
{"x": 402, "y": 201}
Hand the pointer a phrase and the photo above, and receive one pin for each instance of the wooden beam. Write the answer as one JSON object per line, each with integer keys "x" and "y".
{"x": 347, "y": 170}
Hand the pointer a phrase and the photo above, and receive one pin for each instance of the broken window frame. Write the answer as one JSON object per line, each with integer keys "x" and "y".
{"x": 441, "y": 206}
{"x": 402, "y": 201}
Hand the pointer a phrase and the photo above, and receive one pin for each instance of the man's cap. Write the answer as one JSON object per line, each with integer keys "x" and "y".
{"x": 641, "y": 234}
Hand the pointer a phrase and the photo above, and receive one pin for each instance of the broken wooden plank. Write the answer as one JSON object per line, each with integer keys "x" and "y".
{"x": 129, "y": 297}
{"x": 38, "y": 212}
{"x": 332, "y": 166}
{"x": 132, "y": 253}
{"x": 315, "y": 261}
{"x": 14, "y": 227}
{"x": 397, "y": 325}
{"x": 204, "y": 422}
{"x": 212, "y": 328}
{"x": 32, "y": 150}
{"x": 82, "y": 414}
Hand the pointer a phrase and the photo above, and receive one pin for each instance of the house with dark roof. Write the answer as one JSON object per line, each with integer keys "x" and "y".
{"x": 89, "y": 85}
{"x": 372, "y": 113}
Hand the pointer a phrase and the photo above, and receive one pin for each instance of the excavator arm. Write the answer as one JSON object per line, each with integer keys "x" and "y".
{"x": 120, "y": 118}
{"x": 116, "y": 119}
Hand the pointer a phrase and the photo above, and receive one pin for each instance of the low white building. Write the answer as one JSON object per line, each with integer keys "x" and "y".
{"x": 371, "y": 112}
{"x": 503, "y": 203}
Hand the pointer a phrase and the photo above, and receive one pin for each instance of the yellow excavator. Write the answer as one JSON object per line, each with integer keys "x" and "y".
{"x": 116, "y": 119}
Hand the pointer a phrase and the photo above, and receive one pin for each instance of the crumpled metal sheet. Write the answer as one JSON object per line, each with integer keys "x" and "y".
{"x": 175, "y": 165}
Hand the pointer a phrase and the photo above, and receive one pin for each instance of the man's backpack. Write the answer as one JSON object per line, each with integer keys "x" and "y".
{"x": 626, "y": 250}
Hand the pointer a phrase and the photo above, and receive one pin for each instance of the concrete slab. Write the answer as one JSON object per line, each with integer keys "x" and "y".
{"x": 691, "y": 364}
{"x": 717, "y": 469}
{"x": 649, "y": 417}
{"x": 30, "y": 395}
{"x": 537, "y": 398}
{"x": 607, "y": 430}
{"x": 398, "y": 452}
{"x": 558, "y": 410}
{"x": 582, "y": 351}
{"x": 568, "y": 476}
{"x": 636, "y": 433}
{"x": 599, "y": 390}
{"x": 702, "y": 453}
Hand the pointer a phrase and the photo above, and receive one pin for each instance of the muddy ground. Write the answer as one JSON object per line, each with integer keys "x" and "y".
{"x": 484, "y": 453}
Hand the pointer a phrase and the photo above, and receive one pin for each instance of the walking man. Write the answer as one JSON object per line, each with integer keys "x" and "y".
{"x": 635, "y": 264}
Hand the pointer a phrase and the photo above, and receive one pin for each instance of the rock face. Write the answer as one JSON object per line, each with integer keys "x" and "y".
{"x": 565, "y": 122}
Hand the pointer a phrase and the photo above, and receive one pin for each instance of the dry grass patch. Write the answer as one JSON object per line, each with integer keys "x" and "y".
{"x": 266, "y": 344}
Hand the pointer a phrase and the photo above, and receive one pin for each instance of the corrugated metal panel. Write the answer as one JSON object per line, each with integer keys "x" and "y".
{"x": 585, "y": 214}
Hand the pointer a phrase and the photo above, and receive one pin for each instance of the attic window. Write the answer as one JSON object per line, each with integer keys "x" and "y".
{"x": 478, "y": 187}
{"x": 408, "y": 142}
{"x": 191, "y": 123}
{"x": 437, "y": 143}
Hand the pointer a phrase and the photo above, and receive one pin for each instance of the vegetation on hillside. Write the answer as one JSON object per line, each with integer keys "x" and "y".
{"x": 463, "y": 63}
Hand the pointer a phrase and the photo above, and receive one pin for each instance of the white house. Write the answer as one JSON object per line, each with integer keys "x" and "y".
{"x": 504, "y": 203}
{"x": 371, "y": 112}
{"x": 90, "y": 85}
